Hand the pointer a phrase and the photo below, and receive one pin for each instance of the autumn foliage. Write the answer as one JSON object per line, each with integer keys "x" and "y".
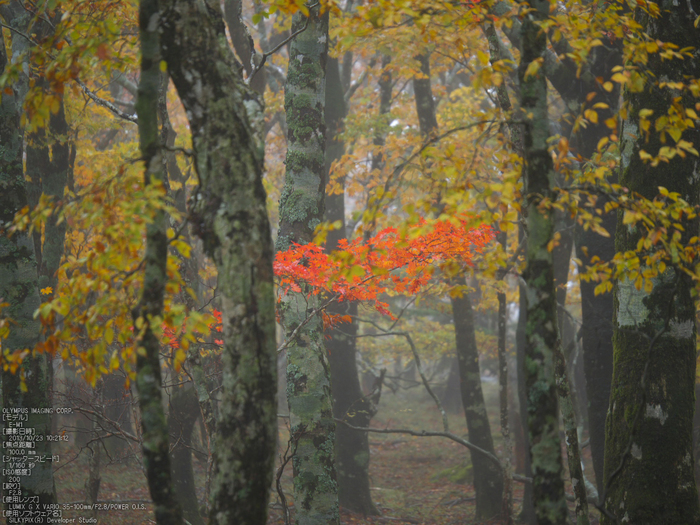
{"x": 388, "y": 262}
{"x": 364, "y": 270}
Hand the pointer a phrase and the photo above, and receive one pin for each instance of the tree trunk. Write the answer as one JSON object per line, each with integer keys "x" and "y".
{"x": 597, "y": 310}
{"x": 19, "y": 279}
{"x": 488, "y": 483}
{"x": 92, "y": 483}
{"x": 507, "y": 511}
{"x": 527, "y": 512}
{"x": 648, "y": 449}
{"x": 183, "y": 414}
{"x": 116, "y": 401}
{"x": 451, "y": 398}
{"x": 542, "y": 328}
{"x": 150, "y": 308}
{"x": 230, "y": 216}
{"x": 301, "y": 210}
{"x": 571, "y": 432}
{"x": 597, "y": 332}
{"x": 488, "y": 480}
{"x": 351, "y": 446}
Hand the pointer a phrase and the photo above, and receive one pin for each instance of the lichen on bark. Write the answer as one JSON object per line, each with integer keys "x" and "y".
{"x": 542, "y": 336}
{"x": 230, "y": 216}
{"x": 155, "y": 443}
{"x": 301, "y": 210}
{"x": 649, "y": 425}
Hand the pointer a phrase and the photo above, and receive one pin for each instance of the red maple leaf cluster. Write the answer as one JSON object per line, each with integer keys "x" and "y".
{"x": 363, "y": 270}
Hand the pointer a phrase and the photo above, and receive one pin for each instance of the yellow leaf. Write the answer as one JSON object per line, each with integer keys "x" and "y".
{"x": 639, "y": 282}
{"x": 675, "y": 133}
{"x": 629, "y": 217}
{"x": 47, "y": 291}
{"x": 109, "y": 335}
{"x": 533, "y": 67}
{"x": 591, "y": 115}
{"x": 182, "y": 247}
{"x": 114, "y": 361}
{"x": 619, "y": 78}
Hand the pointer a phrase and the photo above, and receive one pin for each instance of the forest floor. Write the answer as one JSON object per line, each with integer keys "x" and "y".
{"x": 412, "y": 478}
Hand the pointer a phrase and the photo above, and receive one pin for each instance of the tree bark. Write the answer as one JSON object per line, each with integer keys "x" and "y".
{"x": 351, "y": 446}
{"x": 230, "y": 216}
{"x": 183, "y": 414}
{"x": 488, "y": 480}
{"x": 301, "y": 210}
{"x": 648, "y": 449}
{"x": 527, "y": 512}
{"x": 542, "y": 328}
{"x": 19, "y": 275}
{"x": 149, "y": 311}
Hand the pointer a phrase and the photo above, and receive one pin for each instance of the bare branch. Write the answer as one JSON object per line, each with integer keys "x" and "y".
{"x": 105, "y": 103}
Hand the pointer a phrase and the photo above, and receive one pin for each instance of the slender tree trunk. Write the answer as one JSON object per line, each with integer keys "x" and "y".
{"x": 149, "y": 311}
{"x": 542, "y": 327}
{"x": 516, "y": 139}
{"x": 230, "y": 216}
{"x": 561, "y": 258}
{"x": 571, "y": 429}
{"x": 243, "y": 44}
{"x": 92, "y": 484}
{"x": 451, "y": 397}
{"x": 597, "y": 328}
{"x": 349, "y": 403}
{"x": 385, "y": 93}
{"x": 183, "y": 414}
{"x": 488, "y": 480}
{"x": 507, "y": 505}
{"x": 597, "y": 310}
{"x": 301, "y": 210}
{"x": 648, "y": 449}
{"x": 527, "y": 512}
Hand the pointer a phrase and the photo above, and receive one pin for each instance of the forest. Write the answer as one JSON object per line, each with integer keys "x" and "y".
{"x": 350, "y": 261}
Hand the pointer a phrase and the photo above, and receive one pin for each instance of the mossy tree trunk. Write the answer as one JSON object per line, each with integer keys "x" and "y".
{"x": 522, "y": 441}
{"x": 149, "y": 311}
{"x": 19, "y": 272}
{"x": 301, "y": 210}
{"x": 349, "y": 403}
{"x": 648, "y": 449}
{"x": 542, "y": 336}
{"x": 230, "y": 216}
